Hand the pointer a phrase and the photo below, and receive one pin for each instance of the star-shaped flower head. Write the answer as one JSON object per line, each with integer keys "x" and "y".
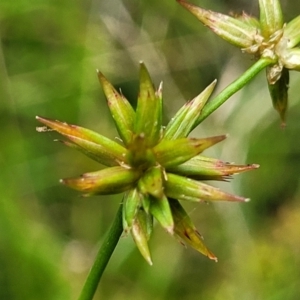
{"x": 154, "y": 166}
{"x": 268, "y": 37}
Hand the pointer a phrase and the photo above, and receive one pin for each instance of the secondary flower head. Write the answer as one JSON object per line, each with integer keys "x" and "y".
{"x": 269, "y": 37}
{"x": 154, "y": 166}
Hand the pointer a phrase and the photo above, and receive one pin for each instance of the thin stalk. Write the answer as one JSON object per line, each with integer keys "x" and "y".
{"x": 231, "y": 89}
{"x": 102, "y": 258}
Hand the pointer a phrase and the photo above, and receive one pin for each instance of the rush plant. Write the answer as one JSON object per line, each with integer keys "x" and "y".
{"x": 156, "y": 166}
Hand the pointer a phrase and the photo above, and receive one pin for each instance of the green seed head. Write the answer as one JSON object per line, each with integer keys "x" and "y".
{"x": 267, "y": 37}
{"x": 153, "y": 165}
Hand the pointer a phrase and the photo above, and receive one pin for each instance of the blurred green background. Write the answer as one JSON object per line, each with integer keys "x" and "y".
{"x": 49, "y": 53}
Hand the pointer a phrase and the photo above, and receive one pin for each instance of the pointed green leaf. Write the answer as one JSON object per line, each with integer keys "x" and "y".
{"x": 112, "y": 180}
{"x": 209, "y": 167}
{"x": 291, "y": 32}
{"x": 146, "y": 202}
{"x": 92, "y": 155}
{"x": 146, "y": 221}
{"x": 121, "y": 110}
{"x": 271, "y": 18}
{"x": 108, "y": 152}
{"x": 140, "y": 235}
{"x": 186, "y": 231}
{"x": 183, "y": 122}
{"x": 132, "y": 203}
{"x": 279, "y": 94}
{"x": 170, "y": 153}
{"x": 152, "y": 182}
{"x": 161, "y": 211}
{"x": 149, "y": 110}
{"x": 239, "y": 33}
{"x": 182, "y": 188}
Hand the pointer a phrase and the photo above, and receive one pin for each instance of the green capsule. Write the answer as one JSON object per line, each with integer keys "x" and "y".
{"x": 271, "y": 18}
{"x": 146, "y": 202}
{"x": 186, "y": 231}
{"x": 182, "y": 188}
{"x": 148, "y": 120}
{"x": 139, "y": 232}
{"x": 121, "y": 110}
{"x": 108, "y": 152}
{"x": 112, "y": 180}
{"x": 204, "y": 167}
{"x": 146, "y": 221}
{"x": 131, "y": 204}
{"x": 170, "y": 153}
{"x": 184, "y": 121}
{"x": 107, "y": 161}
{"x": 161, "y": 211}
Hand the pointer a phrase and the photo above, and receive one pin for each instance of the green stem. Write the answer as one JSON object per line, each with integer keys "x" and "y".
{"x": 102, "y": 258}
{"x": 231, "y": 89}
